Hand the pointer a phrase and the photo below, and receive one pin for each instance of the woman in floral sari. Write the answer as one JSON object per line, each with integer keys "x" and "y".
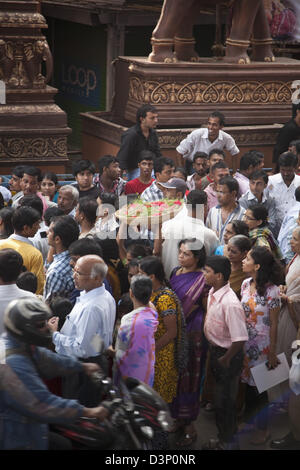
{"x": 188, "y": 282}
{"x": 135, "y": 346}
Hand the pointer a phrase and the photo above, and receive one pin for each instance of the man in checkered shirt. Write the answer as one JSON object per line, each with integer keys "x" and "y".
{"x": 163, "y": 170}
{"x": 63, "y": 231}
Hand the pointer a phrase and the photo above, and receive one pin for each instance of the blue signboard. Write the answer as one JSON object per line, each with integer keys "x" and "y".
{"x": 80, "y": 83}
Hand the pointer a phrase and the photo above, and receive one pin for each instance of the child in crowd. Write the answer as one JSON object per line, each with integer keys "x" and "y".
{"x": 226, "y": 332}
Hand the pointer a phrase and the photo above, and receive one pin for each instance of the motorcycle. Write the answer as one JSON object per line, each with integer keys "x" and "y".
{"x": 137, "y": 412}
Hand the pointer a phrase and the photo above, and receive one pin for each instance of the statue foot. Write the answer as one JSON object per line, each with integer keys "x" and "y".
{"x": 262, "y": 50}
{"x": 236, "y": 52}
{"x": 162, "y": 51}
{"x": 185, "y": 49}
{"x": 259, "y": 55}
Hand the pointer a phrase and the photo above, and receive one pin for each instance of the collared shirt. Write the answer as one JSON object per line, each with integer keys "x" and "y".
{"x": 5, "y": 193}
{"x": 16, "y": 199}
{"x": 215, "y": 223}
{"x": 40, "y": 240}
{"x": 152, "y": 193}
{"x": 202, "y": 182}
{"x": 16, "y": 196}
{"x": 180, "y": 227}
{"x": 269, "y": 203}
{"x": 286, "y": 231}
{"x": 59, "y": 277}
{"x": 107, "y": 225}
{"x": 32, "y": 258}
{"x": 133, "y": 142}
{"x": 225, "y": 321}
{"x": 212, "y": 199}
{"x": 8, "y": 293}
{"x": 198, "y": 141}
{"x": 117, "y": 187}
{"x": 243, "y": 183}
{"x": 14, "y": 236}
{"x": 72, "y": 213}
{"x": 284, "y": 195}
{"x": 90, "y": 321}
{"x": 206, "y": 181}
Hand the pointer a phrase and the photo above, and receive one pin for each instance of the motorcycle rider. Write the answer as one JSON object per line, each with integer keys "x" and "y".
{"x": 27, "y": 407}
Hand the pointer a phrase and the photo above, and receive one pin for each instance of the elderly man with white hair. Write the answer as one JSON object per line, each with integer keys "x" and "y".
{"x": 88, "y": 329}
{"x": 68, "y": 197}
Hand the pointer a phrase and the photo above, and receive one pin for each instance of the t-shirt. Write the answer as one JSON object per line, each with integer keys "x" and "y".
{"x": 136, "y": 186}
{"x": 93, "y": 192}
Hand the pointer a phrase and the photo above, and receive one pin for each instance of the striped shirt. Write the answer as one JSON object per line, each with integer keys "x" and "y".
{"x": 215, "y": 223}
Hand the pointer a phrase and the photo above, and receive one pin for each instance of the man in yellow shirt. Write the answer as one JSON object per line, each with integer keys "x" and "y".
{"x": 25, "y": 221}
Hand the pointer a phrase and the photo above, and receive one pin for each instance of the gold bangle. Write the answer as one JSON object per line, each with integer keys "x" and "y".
{"x": 237, "y": 42}
{"x": 163, "y": 42}
{"x": 258, "y": 42}
{"x": 187, "y": 40}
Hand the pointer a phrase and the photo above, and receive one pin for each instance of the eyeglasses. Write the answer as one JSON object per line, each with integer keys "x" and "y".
{"x": 77, "y": 273}
{"x": 248, "y": 218}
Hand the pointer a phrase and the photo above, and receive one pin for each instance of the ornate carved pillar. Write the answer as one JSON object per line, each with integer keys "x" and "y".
{"x": 32, "y": 127}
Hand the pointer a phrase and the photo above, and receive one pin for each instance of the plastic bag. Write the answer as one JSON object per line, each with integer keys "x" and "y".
{"x": 294, "y": 376}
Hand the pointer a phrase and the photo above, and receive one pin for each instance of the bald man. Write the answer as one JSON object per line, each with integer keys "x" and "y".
{"x": 88, "y": 329}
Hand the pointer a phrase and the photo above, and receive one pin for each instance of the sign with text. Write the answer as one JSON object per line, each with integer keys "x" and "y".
{"x": 80, "y": 83}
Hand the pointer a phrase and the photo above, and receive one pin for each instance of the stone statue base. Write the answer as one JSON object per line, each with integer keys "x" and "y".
{"x": 185, "y": 93}
{"x": 256, "y": 100}
{"x": 33, "y": 130}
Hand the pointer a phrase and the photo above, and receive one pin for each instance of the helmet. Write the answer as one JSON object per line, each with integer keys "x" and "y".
{"x": 149, "y": 404}
{"x": 26, "y": 320}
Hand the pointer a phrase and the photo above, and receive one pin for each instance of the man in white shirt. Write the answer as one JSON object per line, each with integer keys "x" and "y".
{"x": 188, "y": 225}
{"x": 207, "y": 138}
{"x": 93, "y": 314}
{"x": 290, "y": 222}
{"x": 249, "y": 163}
{"x": 282, "y": 186}
{"x": 11, "y": 263}
{"x": 88, "y": 329}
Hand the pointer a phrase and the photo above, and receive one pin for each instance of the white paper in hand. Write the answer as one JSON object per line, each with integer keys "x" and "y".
{"x": 265, "y": 379}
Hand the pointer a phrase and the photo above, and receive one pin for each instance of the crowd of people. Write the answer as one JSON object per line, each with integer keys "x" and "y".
{"x": 187, "y": 305}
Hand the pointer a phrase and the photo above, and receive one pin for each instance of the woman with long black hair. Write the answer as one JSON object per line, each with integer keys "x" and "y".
{"x": 260, "y": 297}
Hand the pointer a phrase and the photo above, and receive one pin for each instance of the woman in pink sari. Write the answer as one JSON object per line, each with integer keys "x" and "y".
{"x": 188, "y": 282}
{"x": 135, "y": 345}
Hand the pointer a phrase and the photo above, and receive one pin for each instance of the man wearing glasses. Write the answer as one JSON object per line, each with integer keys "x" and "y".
{"x": 88, "y": 329}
